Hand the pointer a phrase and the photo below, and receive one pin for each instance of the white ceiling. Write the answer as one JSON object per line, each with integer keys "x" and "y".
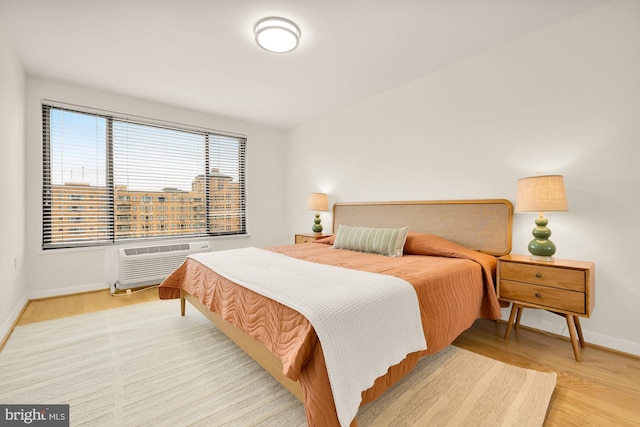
{"x": 201, "y": 54}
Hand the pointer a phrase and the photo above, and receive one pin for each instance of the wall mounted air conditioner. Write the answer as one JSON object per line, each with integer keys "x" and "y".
{"x": 151, "y": 264}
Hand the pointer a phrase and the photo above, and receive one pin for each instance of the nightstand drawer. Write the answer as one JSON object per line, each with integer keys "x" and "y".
{"x": 549, "y": 276}
{"x": 309, "y": 237}
{"x": 305, "y": 239}
{"x": 553, "y": 298}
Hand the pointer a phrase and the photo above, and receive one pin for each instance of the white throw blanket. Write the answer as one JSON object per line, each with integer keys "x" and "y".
{"x": 366, "y": 322}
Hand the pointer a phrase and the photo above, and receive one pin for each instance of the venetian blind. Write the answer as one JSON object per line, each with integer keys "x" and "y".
{"x": 110, "y": 178}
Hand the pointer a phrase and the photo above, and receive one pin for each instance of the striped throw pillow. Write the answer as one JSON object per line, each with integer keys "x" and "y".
{"x": 383, "y": 241}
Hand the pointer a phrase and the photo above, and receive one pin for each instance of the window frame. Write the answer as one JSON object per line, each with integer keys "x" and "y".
{"x": 108, "y": 221}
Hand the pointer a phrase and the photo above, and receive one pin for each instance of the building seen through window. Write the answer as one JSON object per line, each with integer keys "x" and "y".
{"x": 144, "y": 214}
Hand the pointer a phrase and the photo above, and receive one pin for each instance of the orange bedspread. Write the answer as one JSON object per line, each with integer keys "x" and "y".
{"x": 454, "y": 288}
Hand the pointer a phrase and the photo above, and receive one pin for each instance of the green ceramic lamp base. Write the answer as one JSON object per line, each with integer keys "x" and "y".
{"x": 541, "y": 248}
{"x": 317, "y": 227}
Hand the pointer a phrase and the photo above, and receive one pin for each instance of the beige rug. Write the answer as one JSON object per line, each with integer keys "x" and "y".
{"x": 146, "y": 365}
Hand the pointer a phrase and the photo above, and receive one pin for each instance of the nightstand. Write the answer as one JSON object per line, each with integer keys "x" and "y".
{"x": 309, "y": 237}
{"x": 562, "y": 287}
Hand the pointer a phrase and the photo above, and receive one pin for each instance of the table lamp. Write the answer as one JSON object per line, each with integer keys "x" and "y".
{"x": 318, "y": 202}
{"x": 541, "y": 193}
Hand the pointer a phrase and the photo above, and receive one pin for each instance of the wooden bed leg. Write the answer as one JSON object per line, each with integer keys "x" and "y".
{"x": 182, "y": 303}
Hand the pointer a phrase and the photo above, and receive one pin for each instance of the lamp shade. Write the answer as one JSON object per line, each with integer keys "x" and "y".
{"x": 541, "y": 193}
{"x": 318, "y": 202}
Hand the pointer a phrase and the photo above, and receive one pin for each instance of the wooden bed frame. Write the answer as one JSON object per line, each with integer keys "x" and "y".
{"x": 483, "y": 225}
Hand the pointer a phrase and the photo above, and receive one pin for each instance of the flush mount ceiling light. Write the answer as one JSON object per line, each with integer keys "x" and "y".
{"x": 277, "y": 34}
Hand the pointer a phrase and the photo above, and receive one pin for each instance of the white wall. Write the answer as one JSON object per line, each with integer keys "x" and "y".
{"x": 565, "y": 100}
{"x": 12, "y": 179}
{"x": 66, "y": 271}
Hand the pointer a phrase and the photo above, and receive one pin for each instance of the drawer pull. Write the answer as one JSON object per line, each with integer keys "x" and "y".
{"x": 538, "y": 275}
{"x": 538, "y": 295}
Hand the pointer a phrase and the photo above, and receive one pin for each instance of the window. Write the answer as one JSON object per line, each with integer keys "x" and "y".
{"x": 98, "y": 165}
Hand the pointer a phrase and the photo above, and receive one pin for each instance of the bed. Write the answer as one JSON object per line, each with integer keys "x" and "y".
{"x": 449, "y": 258}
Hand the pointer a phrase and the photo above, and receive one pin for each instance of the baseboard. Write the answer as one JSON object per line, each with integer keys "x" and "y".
{"x": 610, "y": 343}
{"x": 50, "y": 293}
{"x": 10, "y": 322}
{"x": 590, "y": 337}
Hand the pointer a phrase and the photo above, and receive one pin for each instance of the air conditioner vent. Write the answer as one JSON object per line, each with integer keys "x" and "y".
{"x": 146, "y": 265}
{"x": 157, "y": 249}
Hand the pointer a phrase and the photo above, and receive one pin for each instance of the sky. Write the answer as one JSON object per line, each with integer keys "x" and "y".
{"x": 145, "y": 158}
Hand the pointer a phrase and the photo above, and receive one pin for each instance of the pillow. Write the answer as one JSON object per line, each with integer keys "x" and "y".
{"x": 328, "y": 240}
{"x": 430, "y": 244}
{"x": 383, "y": 241}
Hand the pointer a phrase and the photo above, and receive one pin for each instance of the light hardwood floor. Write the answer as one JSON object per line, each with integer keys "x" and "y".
{"x": 69, "y": 305}
{"x": 602, "y": 390}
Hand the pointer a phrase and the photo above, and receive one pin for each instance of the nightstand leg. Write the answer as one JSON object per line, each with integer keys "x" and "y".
{"x": 518, "y": 316}
{"x": 572, "y": 332}
{"x": 579, "y": 330}
{"x": 514, "y": 309}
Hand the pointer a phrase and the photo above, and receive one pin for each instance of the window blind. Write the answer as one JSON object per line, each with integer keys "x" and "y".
{"x": 110, "y": 178}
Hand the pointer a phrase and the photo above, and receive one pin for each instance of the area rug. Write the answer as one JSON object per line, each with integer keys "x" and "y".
{"x": 146, "y": 365}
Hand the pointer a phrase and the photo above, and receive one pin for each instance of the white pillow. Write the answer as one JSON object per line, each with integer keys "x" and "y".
{"x": 383, "y": 241}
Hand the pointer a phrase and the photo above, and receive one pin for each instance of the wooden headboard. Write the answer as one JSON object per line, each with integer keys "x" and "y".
{"x": 483, "y": 225}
